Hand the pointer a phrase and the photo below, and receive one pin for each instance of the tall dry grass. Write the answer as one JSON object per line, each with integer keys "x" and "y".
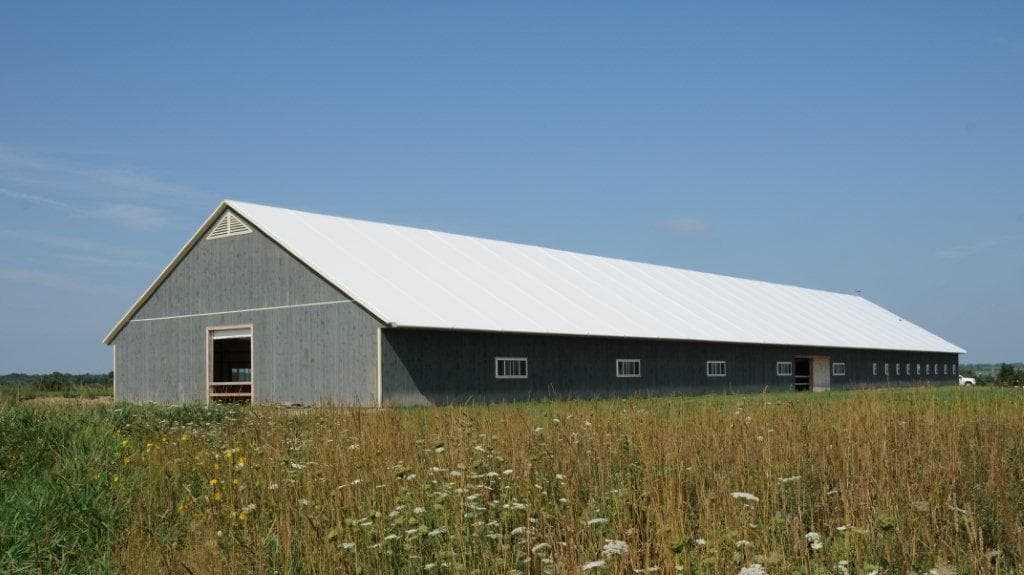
{"x": 896, "y": 481}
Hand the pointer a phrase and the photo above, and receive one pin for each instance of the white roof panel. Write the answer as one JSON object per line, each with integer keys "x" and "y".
{"x": 412, "y": 277}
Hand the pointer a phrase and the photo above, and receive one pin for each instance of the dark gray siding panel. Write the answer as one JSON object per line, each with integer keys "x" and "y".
{"x": 235, "y": 273}
{"x": 301, "y": 355}
{"x": 429, "y": 367}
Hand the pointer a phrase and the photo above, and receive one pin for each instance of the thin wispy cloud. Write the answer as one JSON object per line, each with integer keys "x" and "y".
{"x": 968, "y": 250}
{"x": 684, "y": 226}
{"x": 54, "y": 280}
{"x": 93, "y": 188}
{"x": 79, "y": 250}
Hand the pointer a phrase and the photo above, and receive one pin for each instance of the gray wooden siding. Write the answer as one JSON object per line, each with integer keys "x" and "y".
{"x": 235, "y": 273}
{"x": 303, "y": 354}
{"x": 431, "y": 367}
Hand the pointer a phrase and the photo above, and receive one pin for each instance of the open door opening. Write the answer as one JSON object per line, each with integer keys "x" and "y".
{"x": 801, "y": 373}
{"x": 230, "y": 365}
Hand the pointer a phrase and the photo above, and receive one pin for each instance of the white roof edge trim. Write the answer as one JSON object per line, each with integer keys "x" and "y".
{"x": 196, "y": 237}
{"x": 185, "y": 249}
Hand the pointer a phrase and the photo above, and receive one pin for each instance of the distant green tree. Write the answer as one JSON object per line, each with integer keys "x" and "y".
{"x": 1007, "y": 375}
{"x": 55, "y": 381}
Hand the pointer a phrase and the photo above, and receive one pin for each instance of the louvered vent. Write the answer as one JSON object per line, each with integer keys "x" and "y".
{"x": 228, "y": 225}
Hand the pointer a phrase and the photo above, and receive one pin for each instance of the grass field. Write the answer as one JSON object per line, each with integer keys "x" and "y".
{"x": 893, "y": 481}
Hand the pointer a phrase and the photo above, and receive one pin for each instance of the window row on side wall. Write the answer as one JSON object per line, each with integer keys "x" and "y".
{"x": 903, "y": 368}
{"x": 518, "y": 368}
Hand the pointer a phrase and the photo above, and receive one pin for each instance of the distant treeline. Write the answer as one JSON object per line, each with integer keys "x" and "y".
{"x": 57, "y": 380}
{"x": 995, "y": 373}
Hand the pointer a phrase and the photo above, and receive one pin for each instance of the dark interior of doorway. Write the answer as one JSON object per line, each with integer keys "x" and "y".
{"x": 801, "y": 373}
{"x": 232, "y": 370}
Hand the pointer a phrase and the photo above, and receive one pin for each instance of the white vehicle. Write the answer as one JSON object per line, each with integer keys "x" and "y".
{"x": 967, "y": 380}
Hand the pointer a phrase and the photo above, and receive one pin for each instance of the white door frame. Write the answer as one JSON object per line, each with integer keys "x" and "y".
{"x": 210, "y": 336}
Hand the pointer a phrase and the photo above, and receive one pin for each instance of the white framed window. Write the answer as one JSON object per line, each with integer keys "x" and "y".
{"x": 839, "y": 368}
{"x": 715, "y": 369}
{"x": 874, "y": 368}
{"x": 908, "y": 369}
{"x": 897, "y": 369}
{"x": 511, "y": 368}
{"x": 783, "y": 368}
{"x": 945, "y": 369}
{"x": 936, "y": 369}
{"x": 919, "y": 369}
{"x": 627, "y": 368}
{"x": 927, "y": 369}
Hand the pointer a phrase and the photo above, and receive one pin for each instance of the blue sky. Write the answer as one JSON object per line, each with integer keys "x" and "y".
{"x": 874, "y": 148}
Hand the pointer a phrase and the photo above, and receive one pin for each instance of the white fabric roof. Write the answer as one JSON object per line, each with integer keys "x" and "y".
{"x": 412, "y": 277}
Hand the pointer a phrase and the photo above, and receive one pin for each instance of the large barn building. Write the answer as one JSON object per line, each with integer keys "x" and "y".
{"x": 272, "y": 305}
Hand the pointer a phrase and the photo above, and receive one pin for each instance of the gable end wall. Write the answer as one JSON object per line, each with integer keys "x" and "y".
{"x": 311, "y": 343}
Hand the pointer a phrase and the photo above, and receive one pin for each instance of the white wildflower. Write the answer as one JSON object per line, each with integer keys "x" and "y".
{"x": 598, "y": 521}
{"x": 298, "y": 465}
{"x": 418, "y": 511}
{"x": 654, "y": 569}
{"x": 539, "y": 547}
{"x": 700, "y": 542}
{"x": 348, "y": 546}
{"x": 614, "y": 547}
{"x": 518, "y": 531}
{"x": 438, "y": 532}
{"x": 789, "y": 479}
{"x": 593, "y": 565}
{"x": 507, "y": 472}
{"x": 303, "y": 501}
{"x": 814, "y": 540}
{"x": 272, "y": 486}
{"x": 743, "y": 543}
{"x": 559, "y": 477}
{"x": 745, "y": 496}
{"x": 753, "y": 569}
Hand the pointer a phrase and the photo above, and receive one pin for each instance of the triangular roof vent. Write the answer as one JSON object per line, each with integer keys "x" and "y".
{"x": 228, "y": 225}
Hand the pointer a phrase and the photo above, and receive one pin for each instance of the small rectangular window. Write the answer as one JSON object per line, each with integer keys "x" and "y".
{"x": 936, "y": 369}
{"x": 510, "y": 368}
{"x": 927, "y": 369}
{"x": 715, "y": 369}
{"x": 874, "y": 368}
{"x": 887, "y": 370}
{"x": 627, "y": 368}
{"x": 919, "y": 369}
{"x": 945, "y": 369}
{"x": 897, "y": 369}
{"x": 839, "y": 368}
{"x": 783, "y": 368}
{"x": 908, "y": 369}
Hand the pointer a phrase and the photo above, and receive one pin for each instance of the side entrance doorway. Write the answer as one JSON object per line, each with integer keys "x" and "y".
{"x": 812, "y": 373}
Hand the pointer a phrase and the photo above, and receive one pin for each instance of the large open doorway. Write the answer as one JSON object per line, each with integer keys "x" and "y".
{"x": 229, "y": 364}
